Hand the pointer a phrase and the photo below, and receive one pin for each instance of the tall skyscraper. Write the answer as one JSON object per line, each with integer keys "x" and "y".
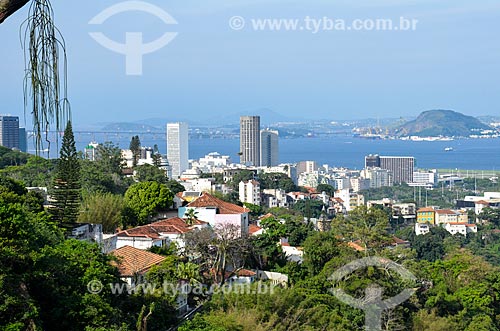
{"x": 23, "y": 140}
{"x": 177, "y": 148}
{"x": 250, "y": 140}
{"x": 9, "y": 131}
{"x": 269, "y": 148}
{"x": 401, "y": 166}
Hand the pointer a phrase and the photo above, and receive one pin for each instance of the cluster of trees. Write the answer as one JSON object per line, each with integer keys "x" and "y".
{"x": 44, "y": 278}
{"x": 456, "y": 285}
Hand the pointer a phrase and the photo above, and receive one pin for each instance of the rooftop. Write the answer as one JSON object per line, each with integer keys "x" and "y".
{"x": 133, "y": 261}
{"x": 207, "y": 200}
{"x": 174, "y": 225}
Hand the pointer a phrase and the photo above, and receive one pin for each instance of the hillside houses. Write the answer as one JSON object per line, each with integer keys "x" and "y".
{"x": 217, "y": 212}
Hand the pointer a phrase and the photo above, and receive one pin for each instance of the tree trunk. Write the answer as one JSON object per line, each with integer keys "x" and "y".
{"x": 9, "y": 7}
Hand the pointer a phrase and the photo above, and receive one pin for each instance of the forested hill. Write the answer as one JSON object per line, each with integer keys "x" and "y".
{"x": 449, "y": 123}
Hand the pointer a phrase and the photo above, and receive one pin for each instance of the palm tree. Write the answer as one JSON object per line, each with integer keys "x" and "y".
{"x": 191, "y": 216}
{"x": 189, "y": 272}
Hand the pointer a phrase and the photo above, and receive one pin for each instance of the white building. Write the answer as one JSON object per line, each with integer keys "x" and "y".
{"x": 460, "y": 227}
{"x": 275, "y": 198}
{"x": 269, "y": 148}
{"x": 212, "y": 162}
{"x": 341, "y": 183}
{"x": 177, "y": 148}
{"x": 378, "y": 177}
{"x": 359, "y": 184}
{"x": 422, "y": 228}
{"x": 160, "y": 234}
{"x": 89, "y": 152}
{"x": 309, "y": 179}
{"x": 218, "y": 213}
{"x": 425, "y": 178}
{"x": 249, "y": 192}
{"x": 250, "y": 140}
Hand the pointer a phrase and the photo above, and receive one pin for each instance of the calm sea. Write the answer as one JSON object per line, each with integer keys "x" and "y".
{"x": 338, "y": 151}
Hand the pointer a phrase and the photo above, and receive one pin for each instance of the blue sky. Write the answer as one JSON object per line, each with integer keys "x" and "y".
{"x": 451, "y": 61}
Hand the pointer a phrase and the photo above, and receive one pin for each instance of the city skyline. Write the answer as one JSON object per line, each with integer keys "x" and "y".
{"x": 329, "y": 74}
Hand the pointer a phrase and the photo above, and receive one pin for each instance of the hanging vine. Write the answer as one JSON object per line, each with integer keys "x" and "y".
{"x": 45, "y": 81}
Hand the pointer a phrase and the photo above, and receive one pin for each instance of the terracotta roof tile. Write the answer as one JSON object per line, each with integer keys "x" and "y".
{"x": 252, "y": 228}
{"x": 425, "y": 209}
{"x": 133, "y": 261}
{"x": 245, "y": 273}
{"x": 174, "y": 225}
{"x": 446, "y": 212}
{"x": 268, "y": 215}
{"x": 207, "y": 200}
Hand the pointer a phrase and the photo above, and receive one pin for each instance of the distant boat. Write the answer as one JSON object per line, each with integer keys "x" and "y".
{"x": 448, "y": 149}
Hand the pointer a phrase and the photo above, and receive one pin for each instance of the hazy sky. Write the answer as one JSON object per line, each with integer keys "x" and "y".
{"x": 451, "y": 61}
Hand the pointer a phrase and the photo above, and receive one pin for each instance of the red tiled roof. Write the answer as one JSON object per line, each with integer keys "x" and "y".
{"x": 252, "y": 228}
{"x": 207, "y": 200}
{"x": 173, "y": 225}
{"x": 268, "y": 215}
{"x": 446, "y": 212}
{"x": 425, "y": 209}
{"x": 482, "y": 202}
{"x": 133, "y": 261}
{"x": 460, "y": 223}
{"x": 245, "y": 273}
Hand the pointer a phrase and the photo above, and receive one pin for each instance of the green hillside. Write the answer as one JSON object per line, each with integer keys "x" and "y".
{"x": 449, "y": 123}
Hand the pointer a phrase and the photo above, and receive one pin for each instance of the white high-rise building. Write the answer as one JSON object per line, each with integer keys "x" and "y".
{"x": 269, "y": 152}
{"x": 178, "y": 148}
{"x": 250, "y": 140}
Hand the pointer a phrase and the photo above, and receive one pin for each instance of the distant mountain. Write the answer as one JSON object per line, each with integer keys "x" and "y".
{"x": 449, "y": 123}
{"x": 127, "y": 127}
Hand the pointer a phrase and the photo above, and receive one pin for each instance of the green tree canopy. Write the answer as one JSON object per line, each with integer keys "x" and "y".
{"x": 102, "y": 208}
{"x": 148, "y": 198}
{"x": 328, "y": 189}
{"x": 276, "y": 180}
{"x": 150, "y": 173}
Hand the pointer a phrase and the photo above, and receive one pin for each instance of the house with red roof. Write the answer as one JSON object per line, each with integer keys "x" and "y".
{"x": 161, "y": 233}
{"x": 217, "y": 212}
{"x": 134, "y": 263}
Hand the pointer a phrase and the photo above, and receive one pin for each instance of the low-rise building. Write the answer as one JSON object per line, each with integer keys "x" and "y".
{"x": 275, "y": 198}
{"x": 422, "y": 228}
{"x": 461, "y": 227}
{"x": 161, "y": 234}
{"x": 426, "y": 215}
{"x": 218, "y": 212}
{"x": 443, "y": 216}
